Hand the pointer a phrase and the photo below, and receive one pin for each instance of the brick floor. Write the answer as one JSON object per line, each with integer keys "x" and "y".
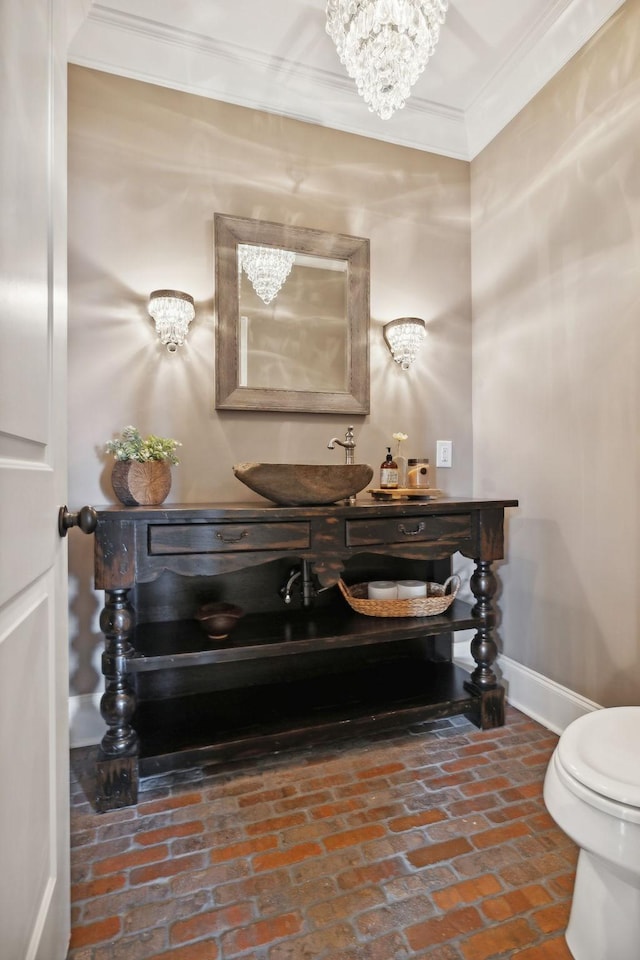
{"x": 430, "y": 841}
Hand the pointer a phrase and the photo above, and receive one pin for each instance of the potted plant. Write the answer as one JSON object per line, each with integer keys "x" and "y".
{"x": 141, "y": 474}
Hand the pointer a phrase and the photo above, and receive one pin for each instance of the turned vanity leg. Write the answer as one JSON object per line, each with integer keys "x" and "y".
{"x": 484, "y": 650}
{"x": 117, "y": 765}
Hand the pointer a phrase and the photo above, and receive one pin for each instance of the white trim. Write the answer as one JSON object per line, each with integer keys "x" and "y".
{"x": 542, "y": 54}
{"x": 129, "y": 46}
{"x": 542, "y": 699}
{"x": 86, "y": 726}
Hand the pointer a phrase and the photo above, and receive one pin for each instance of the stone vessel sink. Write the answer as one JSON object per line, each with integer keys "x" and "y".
{"x": 304, "y": 484}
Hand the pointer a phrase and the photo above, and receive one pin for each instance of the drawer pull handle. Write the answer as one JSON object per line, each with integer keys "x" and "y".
{"x": 411, "y": 533}
{"x": 220, "y": 536}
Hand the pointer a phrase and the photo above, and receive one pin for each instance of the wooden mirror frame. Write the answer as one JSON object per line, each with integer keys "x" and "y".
{"x": 229, "y": 232}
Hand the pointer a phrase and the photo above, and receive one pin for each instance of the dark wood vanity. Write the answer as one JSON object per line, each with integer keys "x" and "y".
{"x": 286, "y": 674}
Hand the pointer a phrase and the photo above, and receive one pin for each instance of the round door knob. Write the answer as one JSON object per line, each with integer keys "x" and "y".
{"x": 86, "y": 519}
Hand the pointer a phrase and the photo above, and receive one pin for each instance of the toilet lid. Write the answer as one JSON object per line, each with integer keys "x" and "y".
{"x": 602, "y": 751}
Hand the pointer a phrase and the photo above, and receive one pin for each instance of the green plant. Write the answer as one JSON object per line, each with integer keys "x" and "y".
{"x": 130, "y": 445}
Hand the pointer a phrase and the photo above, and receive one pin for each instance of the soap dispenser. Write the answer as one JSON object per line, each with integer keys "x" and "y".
{"x": 389, "y": 473}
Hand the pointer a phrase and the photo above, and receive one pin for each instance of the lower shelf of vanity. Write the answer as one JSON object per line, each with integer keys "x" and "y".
{"x": 293, "y": 678}
{"x": 231, "y": 725}
{"x": 182, "y": 643}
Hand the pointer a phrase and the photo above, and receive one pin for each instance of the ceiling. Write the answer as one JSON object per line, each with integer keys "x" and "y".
{"x": 275, "y": 55}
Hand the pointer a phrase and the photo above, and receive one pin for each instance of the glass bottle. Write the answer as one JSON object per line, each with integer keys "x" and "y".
{"x": 389, "y": 473}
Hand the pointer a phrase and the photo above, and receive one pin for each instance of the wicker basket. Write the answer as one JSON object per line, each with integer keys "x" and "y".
{"x": 439, "y": 598}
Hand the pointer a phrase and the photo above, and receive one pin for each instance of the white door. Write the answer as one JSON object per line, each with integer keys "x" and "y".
{"x": 34, "y": 832}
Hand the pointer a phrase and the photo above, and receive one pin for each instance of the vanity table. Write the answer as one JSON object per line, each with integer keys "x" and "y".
{"x": 285, "y": 675}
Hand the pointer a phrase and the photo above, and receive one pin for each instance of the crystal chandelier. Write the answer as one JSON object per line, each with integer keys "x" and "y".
{"x": 404, "y": 337}
{"x": 266, "y": 267}
{"x": 172, "y": 311}
{"x": 385, "y": 45}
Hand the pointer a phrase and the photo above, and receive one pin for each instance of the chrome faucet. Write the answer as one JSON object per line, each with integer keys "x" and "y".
{"x": 348, "y": 443}
{"x": 285, "y": 591}
{"x": 309, "y": 590}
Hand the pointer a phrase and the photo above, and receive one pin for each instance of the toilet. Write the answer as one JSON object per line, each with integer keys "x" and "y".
{"x": 592, "y": 791}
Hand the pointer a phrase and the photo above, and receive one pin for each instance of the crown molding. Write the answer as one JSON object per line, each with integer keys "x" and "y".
{"x": 142, "y": 49}
{"x": 76, "y": 12}
{"x": 542, "y": 53}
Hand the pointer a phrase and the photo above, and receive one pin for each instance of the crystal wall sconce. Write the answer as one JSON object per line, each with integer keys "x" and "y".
{"x": 404, "y": 338}
{"x": 172, "y": 311}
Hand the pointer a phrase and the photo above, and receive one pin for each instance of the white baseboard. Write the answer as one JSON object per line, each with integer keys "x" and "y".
{"x": 542, "y": 699}
{"x": 86, "y": 726}
{"x": 545, "y": 701}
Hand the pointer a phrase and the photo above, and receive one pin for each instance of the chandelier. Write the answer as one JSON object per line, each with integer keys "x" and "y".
{"x": 385, "y": 45}
{"x": 266, "y": 267}
{"x": 404, "y": 337}
{"x": 172, "y": 311}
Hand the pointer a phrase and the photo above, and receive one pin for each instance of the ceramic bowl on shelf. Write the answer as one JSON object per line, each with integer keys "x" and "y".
{"x": 217, "y": 619}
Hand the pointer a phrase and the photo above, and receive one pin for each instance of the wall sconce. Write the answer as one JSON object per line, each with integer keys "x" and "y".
{"x": 172, "y": 311}
{"x": 404, "y": 337}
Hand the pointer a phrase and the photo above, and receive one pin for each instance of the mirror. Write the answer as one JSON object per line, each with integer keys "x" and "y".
{"x": 292, "y": 329}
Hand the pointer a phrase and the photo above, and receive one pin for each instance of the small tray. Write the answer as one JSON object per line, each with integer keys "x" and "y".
{"x": 405, "y": 493}
{"x": 439, "y": 598}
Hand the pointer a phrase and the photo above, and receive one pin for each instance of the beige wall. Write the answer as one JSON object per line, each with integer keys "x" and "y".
{"x": 148, "y": 168}
{"x": 556, "y": 365}
{"x": 555, "y": 243}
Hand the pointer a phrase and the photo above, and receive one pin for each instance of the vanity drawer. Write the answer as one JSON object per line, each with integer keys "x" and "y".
{"x": 453, "y": 529}
{"x": 187, "y": 538}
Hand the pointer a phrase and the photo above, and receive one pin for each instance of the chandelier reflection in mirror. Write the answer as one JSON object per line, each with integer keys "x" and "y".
{"x": 404, "y": 337}
{"x": 266, "y": 267}
{"x": 385, "y": 45}
{"x": 172, "y": 311}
